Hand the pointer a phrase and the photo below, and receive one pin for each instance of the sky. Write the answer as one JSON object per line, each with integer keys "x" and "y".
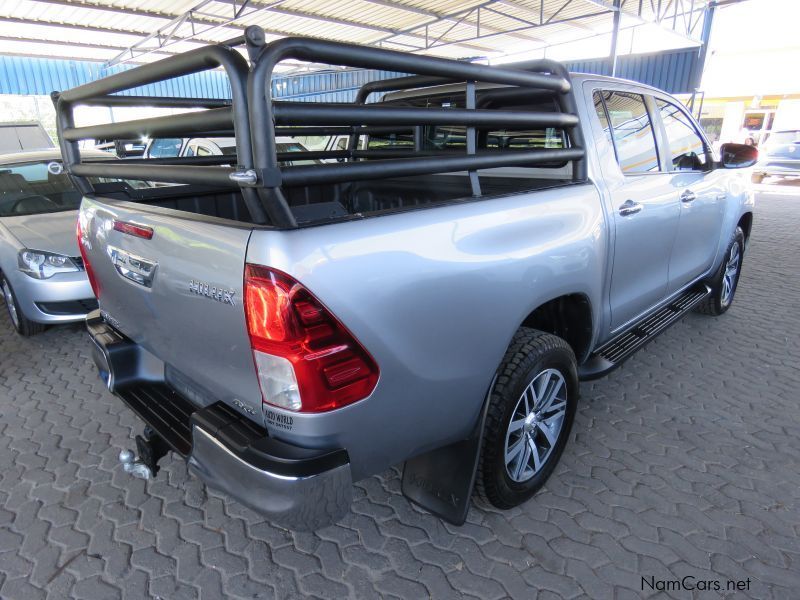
{"x": 754, "y": 50}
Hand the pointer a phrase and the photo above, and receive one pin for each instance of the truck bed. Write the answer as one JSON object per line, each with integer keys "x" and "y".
{"x": 320, "y": 204}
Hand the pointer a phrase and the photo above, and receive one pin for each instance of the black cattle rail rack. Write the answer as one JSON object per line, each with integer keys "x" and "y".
{"x": 255, "y": 120}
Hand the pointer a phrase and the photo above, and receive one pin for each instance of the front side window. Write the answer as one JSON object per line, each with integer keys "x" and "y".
{"x": 632, "y": 132}
{"x": 687, "y": 152}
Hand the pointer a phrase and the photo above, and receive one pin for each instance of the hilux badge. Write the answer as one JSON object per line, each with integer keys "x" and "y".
{"x": 225, "y": 296}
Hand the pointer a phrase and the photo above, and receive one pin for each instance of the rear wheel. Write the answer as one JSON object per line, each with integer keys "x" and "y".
{"x": 726, "y": 280}
{"x": 530, "y": 414}
{"x": 21, "y": 323}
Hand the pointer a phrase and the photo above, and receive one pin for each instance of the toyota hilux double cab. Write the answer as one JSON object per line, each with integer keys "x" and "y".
{"x": 431, "y": 294}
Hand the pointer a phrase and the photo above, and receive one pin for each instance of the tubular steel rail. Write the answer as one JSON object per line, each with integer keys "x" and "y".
{"x": 255, "y": 120}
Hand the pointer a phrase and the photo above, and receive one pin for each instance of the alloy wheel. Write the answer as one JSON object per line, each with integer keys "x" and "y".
{"x": 731, "y": 275}
{"x": 12, "y": 308}
{"x": 535, "y": 425}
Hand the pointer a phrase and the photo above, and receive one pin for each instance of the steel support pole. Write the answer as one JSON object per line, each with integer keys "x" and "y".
{"x": 614, "y": 36}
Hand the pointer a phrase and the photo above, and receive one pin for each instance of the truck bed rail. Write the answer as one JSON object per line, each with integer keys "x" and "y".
{"x": 256, "y": 120}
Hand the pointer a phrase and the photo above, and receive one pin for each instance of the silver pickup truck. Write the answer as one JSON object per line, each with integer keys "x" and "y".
{"x": 433, "y": 296}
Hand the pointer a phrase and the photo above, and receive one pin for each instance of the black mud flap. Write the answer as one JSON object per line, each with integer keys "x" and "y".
{"x": 441, "y": 481}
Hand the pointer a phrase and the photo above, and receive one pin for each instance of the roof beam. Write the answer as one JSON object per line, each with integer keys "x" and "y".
{"x": 78, "y": 26}
{"x": 94, "y": 28}
{"x": 565, "y": 20}
{"x": 167, "y": 34}
{"x": 457, "y": 16}
{"x": 358, "y": 24}
{"x": 465, "y": 13}
{"x": 51, "y": 42}
{"x": 607, "y": 4}
{"x": 135, "y": 12}
{"x": 669, "y": 22}
{"x": 540, "y": 13}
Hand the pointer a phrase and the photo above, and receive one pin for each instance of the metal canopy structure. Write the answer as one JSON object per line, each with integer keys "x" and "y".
{"x": 141, "y": 31}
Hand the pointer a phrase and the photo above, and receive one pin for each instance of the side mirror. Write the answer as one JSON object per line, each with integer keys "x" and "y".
{"x": 738, "y": 156}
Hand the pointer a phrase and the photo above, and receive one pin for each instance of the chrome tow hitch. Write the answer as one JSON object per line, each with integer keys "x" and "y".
{"x": 133, "y": 466}
{"x": 150, "y": 448}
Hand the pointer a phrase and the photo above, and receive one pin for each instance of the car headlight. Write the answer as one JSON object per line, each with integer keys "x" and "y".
{"x": 43, "y": 265}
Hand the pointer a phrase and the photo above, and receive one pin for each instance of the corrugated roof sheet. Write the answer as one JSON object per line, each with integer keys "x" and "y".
{"x": 102, "y": 29}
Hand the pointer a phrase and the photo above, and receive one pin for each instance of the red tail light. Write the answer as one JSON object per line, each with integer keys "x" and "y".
{"x": 86, "y": 264}
{"x": 306, "y": 359}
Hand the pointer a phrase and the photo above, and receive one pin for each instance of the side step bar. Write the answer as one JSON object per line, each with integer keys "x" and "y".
{"x": 614, "y": 352}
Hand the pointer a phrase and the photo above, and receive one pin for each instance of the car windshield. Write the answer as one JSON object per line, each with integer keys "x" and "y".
{"x": 38, "y": 187}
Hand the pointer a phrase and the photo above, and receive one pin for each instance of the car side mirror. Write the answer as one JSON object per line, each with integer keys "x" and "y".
{"x": 738, "y": 156}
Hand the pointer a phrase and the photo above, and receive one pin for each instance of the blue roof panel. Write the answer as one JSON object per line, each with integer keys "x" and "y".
{"x": 670, "y": 71}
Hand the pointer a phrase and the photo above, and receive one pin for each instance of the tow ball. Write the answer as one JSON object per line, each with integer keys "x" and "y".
{"x": 150, "y": 448}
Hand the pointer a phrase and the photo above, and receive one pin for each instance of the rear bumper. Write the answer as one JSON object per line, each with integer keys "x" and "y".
{"x": 297, "y": 488}
{"x": 301, "y": 493}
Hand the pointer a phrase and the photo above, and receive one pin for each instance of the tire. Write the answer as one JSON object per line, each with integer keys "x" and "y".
{"x": 534, "y": 360}
{"x": 726, "y": 280}
{"x": 22, "y": 324}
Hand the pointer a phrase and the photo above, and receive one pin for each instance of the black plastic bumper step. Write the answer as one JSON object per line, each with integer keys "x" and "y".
{"x": 614, "y": 352}
{"x": 166, "y": 412}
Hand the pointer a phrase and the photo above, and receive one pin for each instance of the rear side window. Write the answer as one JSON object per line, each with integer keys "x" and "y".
{"x": 600, "y": 109}
{"x": 550, "y": 137}
{"x": 632, "y": 132}
{"x": 687, "y": 152}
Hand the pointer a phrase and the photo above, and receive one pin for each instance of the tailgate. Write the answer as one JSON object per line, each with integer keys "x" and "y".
{"x": 178, "y": 294}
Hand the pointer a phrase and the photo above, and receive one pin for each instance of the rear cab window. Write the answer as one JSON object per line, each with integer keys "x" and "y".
{"x": 437, "y": 138}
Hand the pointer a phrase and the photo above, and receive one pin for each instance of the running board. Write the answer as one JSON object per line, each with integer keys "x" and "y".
{"x": 613, "y": 353}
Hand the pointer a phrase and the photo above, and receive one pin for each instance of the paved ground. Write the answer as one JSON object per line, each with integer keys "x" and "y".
{"x": 686, "y": 462}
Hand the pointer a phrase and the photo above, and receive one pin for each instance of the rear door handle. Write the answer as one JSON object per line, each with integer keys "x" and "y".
{"x": 688, "y": 196}
{"x": 629, "y": 207}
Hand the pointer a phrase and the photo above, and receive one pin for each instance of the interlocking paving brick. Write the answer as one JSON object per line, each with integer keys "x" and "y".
{"x": 682, "y": 462}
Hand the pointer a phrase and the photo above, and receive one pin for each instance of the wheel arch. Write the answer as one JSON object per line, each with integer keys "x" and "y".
{"x": 569, "y": 317}
{"x": 746, "y": 223}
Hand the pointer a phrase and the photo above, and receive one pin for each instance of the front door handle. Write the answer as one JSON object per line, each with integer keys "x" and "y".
{"x": 688, "y": 196}
{"x": 629, "y": 207}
